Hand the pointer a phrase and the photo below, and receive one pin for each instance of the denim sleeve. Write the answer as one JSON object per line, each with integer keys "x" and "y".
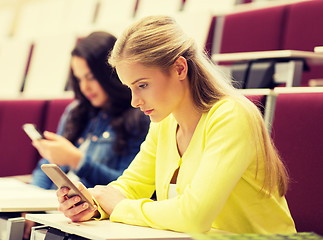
{"x": 93, "y": 173}
{"x": 63, "y": 119}
{"x": 39, "y": 178}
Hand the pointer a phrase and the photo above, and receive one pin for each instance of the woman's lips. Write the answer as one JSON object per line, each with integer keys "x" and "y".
{"x": 148, "y": 112}
{"x": 91, "y": 97}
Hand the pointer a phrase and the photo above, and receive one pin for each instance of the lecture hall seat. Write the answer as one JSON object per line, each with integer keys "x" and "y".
{"x": 249, "y": 31}
{"x": 209, "y": 48}
{"x": 254, "y": 30}
{"x": 259, "y": 101}
{"x": 49, "y": 65}
{"x": 297, "y": 133}
{"x": 304, "y": 32}
{"x": 121, "y": 14}
{"x": 54, "y": 111}
{"x": 17, "y": 155}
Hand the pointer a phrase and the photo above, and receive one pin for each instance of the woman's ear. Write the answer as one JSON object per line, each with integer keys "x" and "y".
{"x": 181, "y": 67}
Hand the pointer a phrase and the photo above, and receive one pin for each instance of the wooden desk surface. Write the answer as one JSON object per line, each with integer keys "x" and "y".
{"x": 17, "y": 196}
{"x": 310, "y": 57}
{"x": 103, "y": 230}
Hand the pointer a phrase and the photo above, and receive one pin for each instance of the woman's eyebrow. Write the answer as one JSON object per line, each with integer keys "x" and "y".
{"x": 139, "y": 79}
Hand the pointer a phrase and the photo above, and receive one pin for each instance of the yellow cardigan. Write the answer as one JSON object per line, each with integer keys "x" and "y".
{"x": 216, "y": 183}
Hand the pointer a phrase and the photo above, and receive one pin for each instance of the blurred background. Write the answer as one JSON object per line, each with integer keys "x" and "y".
{"x": 36, "y": 36}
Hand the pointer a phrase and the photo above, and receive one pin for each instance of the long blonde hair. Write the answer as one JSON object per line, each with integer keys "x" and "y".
{"x": 159, "y": 41}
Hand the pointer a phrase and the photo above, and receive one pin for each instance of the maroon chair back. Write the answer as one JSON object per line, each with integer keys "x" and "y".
{"x": 304, "y": 32}
{"x": 255, "y": 30}
{"x": 209, "y": 48}
{"x": 297, "y": 133}
{"x": 259, "y": 101}
{"x": 54, "y": 112}
{"x": 17, "y": 155}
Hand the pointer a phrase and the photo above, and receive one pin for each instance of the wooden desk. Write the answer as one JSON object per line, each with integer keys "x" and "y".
{"x": 290, "y": 60}
{"x": 16, "y": 197}
{"x": 318, "y": 49}
{"x": 103, "y": 230}
{"x": 310, "y": 57}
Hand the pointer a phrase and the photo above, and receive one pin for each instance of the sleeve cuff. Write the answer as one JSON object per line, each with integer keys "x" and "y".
{"x": 103, "y": 214}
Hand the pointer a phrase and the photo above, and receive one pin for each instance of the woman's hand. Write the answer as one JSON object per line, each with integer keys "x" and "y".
{"x": 70, "y": 207}
{"x": 57, "y": 149}
{"x": 107, "y": 196}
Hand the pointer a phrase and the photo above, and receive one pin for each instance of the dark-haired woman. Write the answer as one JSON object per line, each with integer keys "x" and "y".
{"x": 99, "y": 133}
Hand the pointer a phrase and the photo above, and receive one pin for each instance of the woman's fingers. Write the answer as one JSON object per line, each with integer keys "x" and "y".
{"x": 80, "y": 213}
{"x": 68, "y": 203}
{"x": 62, "y": 192}
{"x": 72, "y": 208}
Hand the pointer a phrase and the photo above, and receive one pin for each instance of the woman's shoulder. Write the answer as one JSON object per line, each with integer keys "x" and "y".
{"x": 234, "y": 108}
{"x": 69, "y": 108}
{"x": 225, "y": 104}
{"x": 230, "y": 104}
{"x": 72, "y": 105}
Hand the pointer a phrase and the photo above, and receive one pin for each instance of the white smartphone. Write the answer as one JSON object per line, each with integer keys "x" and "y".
{"x": 60, "y": 179}
{"x": 32, "y": 131}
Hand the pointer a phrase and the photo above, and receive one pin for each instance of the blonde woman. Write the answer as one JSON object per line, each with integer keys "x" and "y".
{"x": 207, "y": 155}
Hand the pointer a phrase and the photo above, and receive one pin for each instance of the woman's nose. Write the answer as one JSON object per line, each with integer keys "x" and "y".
{"x": 136, "y": 101}
{"x": 83, "y": 85}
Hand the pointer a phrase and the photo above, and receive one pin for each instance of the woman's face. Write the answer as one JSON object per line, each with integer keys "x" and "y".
{"x": 155, "y": 92}
{"x": 89, "y": 86}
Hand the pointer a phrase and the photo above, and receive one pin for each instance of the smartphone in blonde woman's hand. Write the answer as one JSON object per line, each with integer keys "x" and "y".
{"x": 60, "y": 179}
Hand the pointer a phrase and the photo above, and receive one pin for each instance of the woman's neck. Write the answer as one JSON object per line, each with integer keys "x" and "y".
{"x": 187, "y": 115}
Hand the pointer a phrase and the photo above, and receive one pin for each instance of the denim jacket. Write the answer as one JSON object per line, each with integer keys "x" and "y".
{"x": 100, "y": 164}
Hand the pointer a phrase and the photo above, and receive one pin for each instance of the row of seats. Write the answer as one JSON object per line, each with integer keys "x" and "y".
{"x": 291, "y": 26}
{"x": 18, "y": 156}
{"x": 35, "y": 60}
{"x": 296, "y": 131}
{"x": 76, "y": 15}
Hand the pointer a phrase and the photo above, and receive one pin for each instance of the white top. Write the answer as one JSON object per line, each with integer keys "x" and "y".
{"x": 172, "y": 191}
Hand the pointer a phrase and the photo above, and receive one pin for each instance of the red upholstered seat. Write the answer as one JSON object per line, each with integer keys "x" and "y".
{"x": 297, "y": 133}
{"x": 259, "y": 101}
{"x": 255, "y": 30}
{"x": 54, "y": 112}
{"x": 17, "y": 155}
{"x": 209, "y": 48}
{"x": 304, "y": 32}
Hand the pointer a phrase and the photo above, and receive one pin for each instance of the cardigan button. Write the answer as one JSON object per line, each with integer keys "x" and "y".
{"x": 80, "y": 140}
{"x": 106, "y": 135}
{"x": 94, "y": 138}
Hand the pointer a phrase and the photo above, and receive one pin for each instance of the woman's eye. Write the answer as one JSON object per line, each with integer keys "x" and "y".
{"x": 143, "y": 85}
